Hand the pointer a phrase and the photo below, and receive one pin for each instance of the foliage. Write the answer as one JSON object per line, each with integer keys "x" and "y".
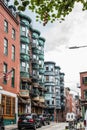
{"x": 49, "y": 10}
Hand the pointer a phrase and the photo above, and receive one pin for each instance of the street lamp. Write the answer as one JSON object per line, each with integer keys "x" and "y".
{"x": 76, "y": 47}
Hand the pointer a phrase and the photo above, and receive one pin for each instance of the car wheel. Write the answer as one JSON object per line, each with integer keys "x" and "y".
{"x": 35, "y": 127}
{"x": 44, "y": 123}
{"x": 48, "y": 123}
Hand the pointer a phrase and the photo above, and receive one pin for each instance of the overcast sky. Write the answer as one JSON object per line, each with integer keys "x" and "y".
{"x": 60, "y": 36}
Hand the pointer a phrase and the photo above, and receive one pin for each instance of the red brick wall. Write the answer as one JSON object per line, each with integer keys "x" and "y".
{"x": 83, "y": 87}
{"x": 4, "y": 15}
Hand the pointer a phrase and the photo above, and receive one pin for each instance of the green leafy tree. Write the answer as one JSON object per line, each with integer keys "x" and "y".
{"x": 49, "y": 10}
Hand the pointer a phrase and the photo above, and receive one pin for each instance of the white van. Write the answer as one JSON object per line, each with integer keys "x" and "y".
{"x": 85, "y": 120}
{"x": 70, "y": 117}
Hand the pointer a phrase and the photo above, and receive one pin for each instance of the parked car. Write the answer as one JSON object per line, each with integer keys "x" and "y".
{"x": 28, "y": 121}
{"x": 2, "y": 127}
{"x": 44, "y": 119}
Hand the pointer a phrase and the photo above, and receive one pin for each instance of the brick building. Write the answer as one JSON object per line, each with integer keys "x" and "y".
{"x": 9, "y": 61}
{"x": 83, "y": 86}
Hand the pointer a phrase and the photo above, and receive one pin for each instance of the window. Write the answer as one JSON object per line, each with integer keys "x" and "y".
{"x": 53, "y": 102}
{"x": 5, "y": 71}
{"x": 13, "y": 33}
{"x": 5, "y": 26}
{"x": 23, "y": 48}
{"x": 47, "y": 78}
{"x": 8, "y": 104}
{"x": 23, "y": 31}
{"x": 57, "y": 93}
{"x": 47, "y": 68}
{"x": 85, "y": 94}
{"x": 84, "y": 80}
{"x": 13, "y": 52}
{"x": 23, "y": 66}
{"x": 48, "y": 102}
{"x": 5, "y": 46}
{"x": 52, "y": 89}
{"x": 13, "y": 78}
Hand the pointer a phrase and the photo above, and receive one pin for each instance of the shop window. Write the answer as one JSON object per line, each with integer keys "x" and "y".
{"x": 8, "y": 104}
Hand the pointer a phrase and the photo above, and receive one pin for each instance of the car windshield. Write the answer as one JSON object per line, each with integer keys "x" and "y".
{"x": 27, "y": 116}
{"x": 40, "y": 116}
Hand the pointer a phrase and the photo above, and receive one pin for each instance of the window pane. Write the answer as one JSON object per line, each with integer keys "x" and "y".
{"x": 5, "y": 26}
{"x": 13, "y": 78}
{"x": 5, "y": 46}
{"x": 13, "y": 33}
{"x": 24, "y": 31}
{"x": 5, "y": 71}
{"x": 13, "y": 52}
{"x": 8, "y": 105}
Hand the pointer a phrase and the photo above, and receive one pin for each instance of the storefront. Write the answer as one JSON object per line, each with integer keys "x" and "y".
{"x": 9, "y": 105}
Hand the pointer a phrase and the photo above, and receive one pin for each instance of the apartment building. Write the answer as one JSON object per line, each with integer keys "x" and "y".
{"x": 54, "y": 83}
{"x": 31, "y": 95}
{"x": 83, "y": 87}
{"x": 72, "y": 103}
{"x": 9, "y": 62}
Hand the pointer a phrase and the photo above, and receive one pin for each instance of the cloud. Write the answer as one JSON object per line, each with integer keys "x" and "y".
{"x": 69, "y": 32}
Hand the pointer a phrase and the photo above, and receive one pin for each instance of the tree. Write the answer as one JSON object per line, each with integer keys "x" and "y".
{"x": 49, "y": 10}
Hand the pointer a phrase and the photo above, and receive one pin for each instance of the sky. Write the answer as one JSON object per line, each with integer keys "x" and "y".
{"x": 59, "y": 37}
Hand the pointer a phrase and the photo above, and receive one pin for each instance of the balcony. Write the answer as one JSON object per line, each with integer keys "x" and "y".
{"x": 24, "y": 93}
{"x": 42, "y": 99}
{"x": 35, "y": 51}
{"x": 25, "y": 40}
{"x": 35, "y": 61}
{"x": 35, "y": 66}
{"x": 41, "y": 57}
{"x": 34, "y": 45}
{"x": 24, "y": 57}
{"x": 36, "y": 98}
{"x": 41, "y": 70}
{"x": 53, "y": 95}
{"x": 24, "y": 74}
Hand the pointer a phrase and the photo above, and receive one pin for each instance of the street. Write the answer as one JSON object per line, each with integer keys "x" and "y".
{"x": 52, "y": 126}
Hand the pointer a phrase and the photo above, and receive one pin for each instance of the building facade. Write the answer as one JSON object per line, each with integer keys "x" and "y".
{"x": 54, "y": 97}
{"x": 83, "y": 86}
{"x": 31, "y": 95}
{"x": 9, "y": 62}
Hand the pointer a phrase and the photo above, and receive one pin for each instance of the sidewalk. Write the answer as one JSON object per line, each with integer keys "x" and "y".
{"x": 14, "y": 126}
{"x": 11, "y": 127}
